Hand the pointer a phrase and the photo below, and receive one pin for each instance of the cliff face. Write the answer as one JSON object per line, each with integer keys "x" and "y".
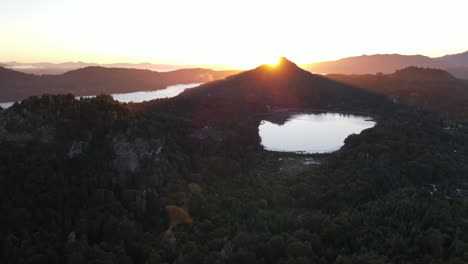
{"x": 69, "y": 129}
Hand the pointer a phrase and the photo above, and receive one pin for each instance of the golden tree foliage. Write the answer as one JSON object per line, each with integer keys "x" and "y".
{"x": 177, "y": 216}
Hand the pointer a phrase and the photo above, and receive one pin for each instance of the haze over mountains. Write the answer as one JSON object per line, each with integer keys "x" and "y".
{"x": 456, "y": 64}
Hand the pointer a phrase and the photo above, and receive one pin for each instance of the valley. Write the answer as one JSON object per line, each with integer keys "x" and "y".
{"x": 100, "y": 176}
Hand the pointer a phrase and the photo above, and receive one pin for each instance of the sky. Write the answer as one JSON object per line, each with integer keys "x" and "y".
{"x": 238, "y": 33}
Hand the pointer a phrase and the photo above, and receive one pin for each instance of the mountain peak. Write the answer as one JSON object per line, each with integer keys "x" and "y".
{"x": 283, "y": 65}
{"x": 284, "y": 62}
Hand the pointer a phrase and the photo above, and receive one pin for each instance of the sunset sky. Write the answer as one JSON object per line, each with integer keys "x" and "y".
{"x": 237, "y": 33}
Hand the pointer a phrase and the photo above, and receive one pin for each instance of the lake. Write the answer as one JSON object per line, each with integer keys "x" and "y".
{"x": 312, "y": 132}
{"x": 138, "y": 97}
{"x": 6, "y": 104}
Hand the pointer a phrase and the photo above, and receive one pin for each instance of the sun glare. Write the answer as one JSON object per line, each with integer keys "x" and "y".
{"x": 274, "y": 62}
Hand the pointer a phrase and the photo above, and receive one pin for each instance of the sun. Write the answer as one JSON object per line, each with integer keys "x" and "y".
{"x": 249, "y": 63}
{"x": 274, "y": 62}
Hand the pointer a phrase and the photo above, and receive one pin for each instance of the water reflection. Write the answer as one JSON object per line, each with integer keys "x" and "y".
{"x": 312, "y": 133}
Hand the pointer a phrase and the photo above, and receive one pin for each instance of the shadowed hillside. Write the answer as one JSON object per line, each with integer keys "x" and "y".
{"x": 428, "y": 88}
{"x": 268, "y": 88}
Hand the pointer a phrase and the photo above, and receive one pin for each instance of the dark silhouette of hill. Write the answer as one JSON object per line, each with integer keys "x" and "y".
{"x": 388, "y": 63}
{"x": 94, "y": 80}
{"x": 266, "y": 89}
{"x": 14, "y": 85}
{"x": 433, "y": 89}
{"x": 11, "y": 75}
{"x": 424, "y": 74}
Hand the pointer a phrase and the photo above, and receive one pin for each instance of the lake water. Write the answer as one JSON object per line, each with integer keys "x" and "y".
{"x": 6, "y": 104}
{"x": 138, "y": 97}
{"x": 312, "y": 133}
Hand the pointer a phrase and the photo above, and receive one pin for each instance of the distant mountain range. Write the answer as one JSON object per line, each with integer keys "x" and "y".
{"x": 460, "y": 59}
{"x": 42, "y": 68}
{"x": 456, "y": 64}
{"x": 94, "y": 80}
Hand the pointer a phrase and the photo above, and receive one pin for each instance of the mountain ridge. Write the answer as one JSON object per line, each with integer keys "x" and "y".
{"x": 388, "y": 63}
{"x": 459, "y": 60}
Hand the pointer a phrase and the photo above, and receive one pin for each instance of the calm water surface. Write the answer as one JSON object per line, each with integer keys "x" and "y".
{"x": 138, "y": 97}
{"x": 312, "y": 133}
{"x": 6, "y": 104}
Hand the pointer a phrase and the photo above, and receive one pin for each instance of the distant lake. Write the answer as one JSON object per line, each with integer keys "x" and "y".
{"x": 6, "y": 104}
{"x": 138, "y": 97}
{"x": 312, "y": 133}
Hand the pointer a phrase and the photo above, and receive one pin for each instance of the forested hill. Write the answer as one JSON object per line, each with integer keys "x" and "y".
{"x": 428, "y": 88}
{"x": 268, "y": 88}
{"x": 94, "y": 80}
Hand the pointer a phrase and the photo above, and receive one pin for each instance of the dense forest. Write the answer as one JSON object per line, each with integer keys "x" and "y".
{"x": 185, "y": 180}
